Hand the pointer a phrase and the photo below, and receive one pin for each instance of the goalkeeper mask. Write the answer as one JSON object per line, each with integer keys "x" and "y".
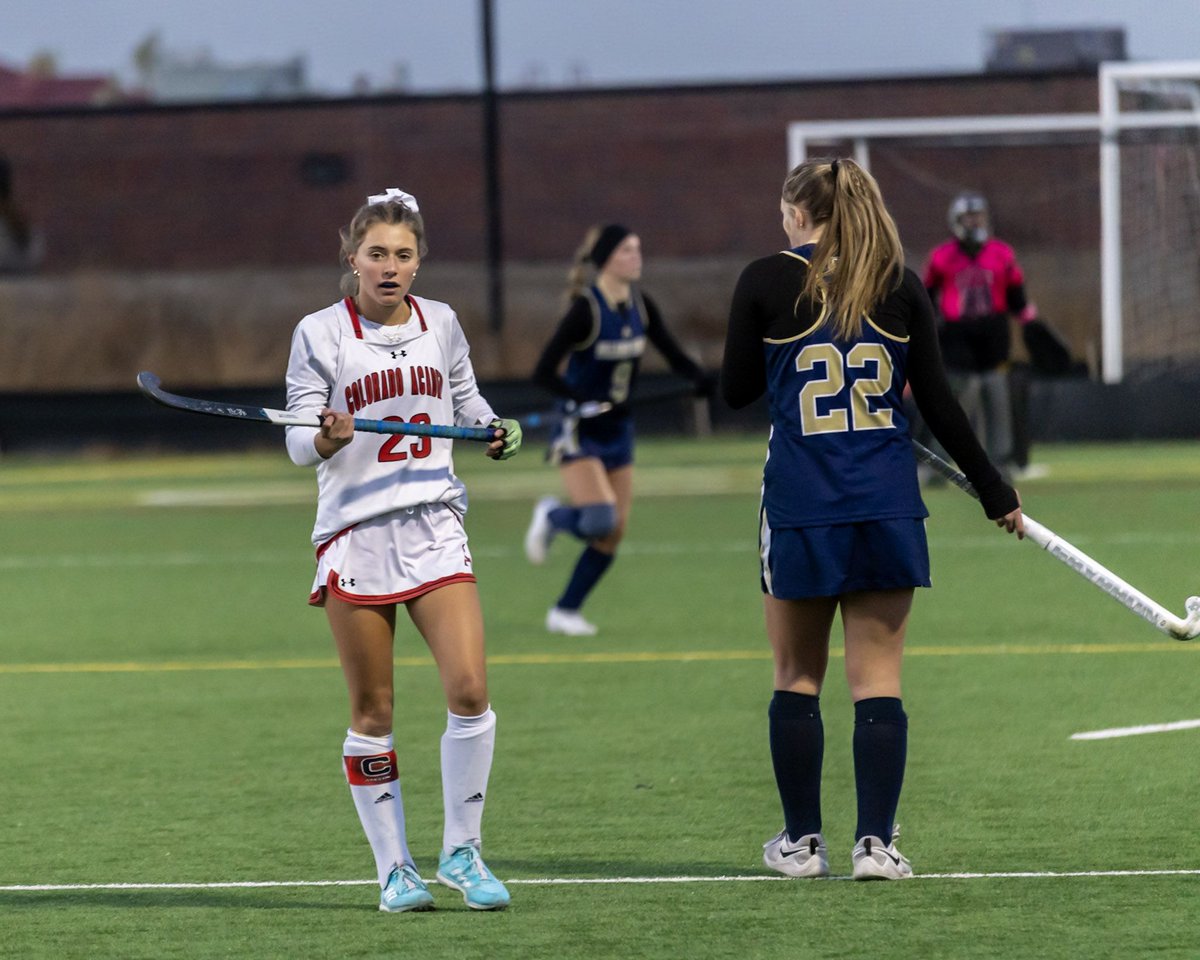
{"x": 968, "y": 218}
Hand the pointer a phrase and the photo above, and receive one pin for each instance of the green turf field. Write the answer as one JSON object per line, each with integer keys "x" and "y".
{"x": 172, "y": 716}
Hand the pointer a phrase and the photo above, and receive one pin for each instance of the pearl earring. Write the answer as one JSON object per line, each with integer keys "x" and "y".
{"x": 356, "y": 273}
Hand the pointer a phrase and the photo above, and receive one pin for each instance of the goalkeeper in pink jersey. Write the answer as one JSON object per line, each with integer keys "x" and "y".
{"x": 976, "y": 284}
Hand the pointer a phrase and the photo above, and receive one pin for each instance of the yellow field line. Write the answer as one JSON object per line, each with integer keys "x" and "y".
{"x": 1022, "y": 649}
{"x": 549, "y": 659}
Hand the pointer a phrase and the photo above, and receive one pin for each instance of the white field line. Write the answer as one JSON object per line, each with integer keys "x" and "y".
{"x": 988, "y": 541}
{"x": 200, "y": 558}
{"x": 102, "y": 560}
{"x": 204, "y": 558}
{"x": 585, "y": 881}
{"x": 231, "y": 495}
{"x": 652, "y": 482}
{"x": 1115, "y": 732}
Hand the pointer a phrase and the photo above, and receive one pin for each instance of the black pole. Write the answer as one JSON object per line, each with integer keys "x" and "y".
{"x": 491, "y": 168}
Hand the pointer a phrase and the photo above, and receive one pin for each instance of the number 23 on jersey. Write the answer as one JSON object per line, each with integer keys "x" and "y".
{"x": 418, "y": 448}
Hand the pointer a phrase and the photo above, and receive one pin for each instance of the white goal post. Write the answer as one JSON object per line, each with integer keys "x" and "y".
{"x": 1152, "y": 85}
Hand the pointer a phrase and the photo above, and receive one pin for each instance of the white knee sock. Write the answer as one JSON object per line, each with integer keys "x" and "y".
{"x": 375, "y": 786}
{"x": 467, "y": 747}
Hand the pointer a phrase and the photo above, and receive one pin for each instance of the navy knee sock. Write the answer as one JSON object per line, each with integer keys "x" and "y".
{"x": 797, "y": 750}
{"x": 880, "y": 750}
{"x": 589, "y": 568}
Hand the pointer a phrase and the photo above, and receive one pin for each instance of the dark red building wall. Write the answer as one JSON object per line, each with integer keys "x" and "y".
{"x": 695, "y": 170}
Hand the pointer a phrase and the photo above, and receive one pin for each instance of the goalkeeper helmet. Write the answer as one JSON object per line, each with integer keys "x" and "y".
{"x": 966, "y": 203}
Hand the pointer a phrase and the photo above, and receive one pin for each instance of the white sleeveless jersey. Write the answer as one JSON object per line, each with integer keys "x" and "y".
{"x": 418, "y": 373}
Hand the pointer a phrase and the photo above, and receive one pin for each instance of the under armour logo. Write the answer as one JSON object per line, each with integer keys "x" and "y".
{"x": 349, "y": 581}
{"x": 403, "y": 353}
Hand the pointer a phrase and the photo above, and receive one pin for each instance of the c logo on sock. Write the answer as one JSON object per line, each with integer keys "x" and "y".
{"x": 364, "y": 771}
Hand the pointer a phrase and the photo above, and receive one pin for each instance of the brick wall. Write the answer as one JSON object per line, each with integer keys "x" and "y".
{"x": 217, "y": 195}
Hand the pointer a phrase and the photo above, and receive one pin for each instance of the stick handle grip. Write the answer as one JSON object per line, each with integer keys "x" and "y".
{"x": 925, "y": 455}
{"x": 440, "y": 430}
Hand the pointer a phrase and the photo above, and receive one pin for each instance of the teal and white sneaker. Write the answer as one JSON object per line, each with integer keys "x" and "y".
{"x": 463, "y": 869}
{"x": 405, "y": 890}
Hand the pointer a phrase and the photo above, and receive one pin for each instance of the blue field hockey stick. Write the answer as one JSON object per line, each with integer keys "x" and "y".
{"x": 581, "y": 411}
{"x": 587, "y": 409}
{"x": 152, "y": 387}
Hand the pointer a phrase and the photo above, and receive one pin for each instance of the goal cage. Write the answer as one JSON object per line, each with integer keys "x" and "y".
{"x": 1141, "y": 274}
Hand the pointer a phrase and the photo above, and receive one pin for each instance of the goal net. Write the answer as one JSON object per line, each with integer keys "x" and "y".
{"x": 1102, "y": 208}
{"x": 1151, "y": 159}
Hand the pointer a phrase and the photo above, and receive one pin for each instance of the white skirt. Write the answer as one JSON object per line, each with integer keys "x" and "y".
{"x": 395, "y": 557}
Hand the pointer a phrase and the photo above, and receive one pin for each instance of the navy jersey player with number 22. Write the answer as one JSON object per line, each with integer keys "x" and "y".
{"x": 831, "y": 330}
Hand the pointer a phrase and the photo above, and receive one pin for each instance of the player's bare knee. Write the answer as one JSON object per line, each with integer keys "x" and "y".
{"x": 373, "y": 714}
{"x": 468, "y": 697}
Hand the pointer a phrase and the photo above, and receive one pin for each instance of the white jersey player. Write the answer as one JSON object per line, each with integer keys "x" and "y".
{"x": 419, "y": 372}
{"x": 389, "y": 530}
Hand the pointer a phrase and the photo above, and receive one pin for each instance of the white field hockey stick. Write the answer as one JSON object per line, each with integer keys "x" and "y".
{"x": 152, "y": 387}
{"x": 1186, "y": 628}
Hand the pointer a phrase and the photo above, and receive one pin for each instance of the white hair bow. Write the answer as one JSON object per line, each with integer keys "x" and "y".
{"x": 395, "y": 194}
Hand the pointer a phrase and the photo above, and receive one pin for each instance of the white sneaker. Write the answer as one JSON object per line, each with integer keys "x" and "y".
{"x": 874, "y": 860}
{"x": 540, "y": 532}
{"x": 569, "y": 622}
{"x": 1031, "y": 471}
{"x": 804, "y": 858}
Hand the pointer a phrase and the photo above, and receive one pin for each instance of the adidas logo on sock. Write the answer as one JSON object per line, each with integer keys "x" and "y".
{"x": 386, "y": 796}
{"x": 478, "y": 798}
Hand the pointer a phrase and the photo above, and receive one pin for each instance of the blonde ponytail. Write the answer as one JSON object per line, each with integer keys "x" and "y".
{"x": 579, "y": 276}
{"x": 858, "y": 259}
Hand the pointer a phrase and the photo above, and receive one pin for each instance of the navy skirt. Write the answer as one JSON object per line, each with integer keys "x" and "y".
{"x": 608, "y": 439}
{"x": 843, "y": 558}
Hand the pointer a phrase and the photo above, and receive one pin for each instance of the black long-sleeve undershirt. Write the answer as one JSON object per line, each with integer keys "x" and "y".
{"x": 578, "y": 326}
{"x": 765, "y": 306}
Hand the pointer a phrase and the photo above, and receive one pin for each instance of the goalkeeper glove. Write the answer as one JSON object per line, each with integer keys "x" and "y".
{"x": 512, "y": 437}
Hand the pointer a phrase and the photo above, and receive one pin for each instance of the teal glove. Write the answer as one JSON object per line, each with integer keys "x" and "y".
{"x": 512, "y": 436}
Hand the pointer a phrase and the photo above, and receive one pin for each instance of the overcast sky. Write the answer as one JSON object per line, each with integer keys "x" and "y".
{"x": 435, "y": 44}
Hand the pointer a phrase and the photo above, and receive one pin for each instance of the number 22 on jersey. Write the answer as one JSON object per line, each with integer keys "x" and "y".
{"x": 874, "y": 380}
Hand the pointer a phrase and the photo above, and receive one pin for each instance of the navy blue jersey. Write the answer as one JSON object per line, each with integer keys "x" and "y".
{"x": 603, "y": 345}
{"x": 604, "y": 367}
{"x": 840, "y": 450}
